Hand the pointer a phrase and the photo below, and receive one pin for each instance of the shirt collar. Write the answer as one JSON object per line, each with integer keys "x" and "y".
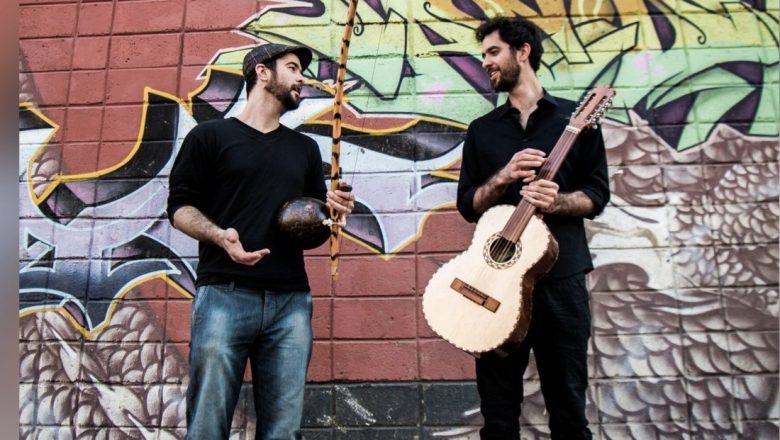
{"x": 546, "y": 100}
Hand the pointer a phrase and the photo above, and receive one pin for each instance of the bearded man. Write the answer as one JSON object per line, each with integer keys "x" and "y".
{"x": 253, "y": 299}
{"x": 501, "y": 155}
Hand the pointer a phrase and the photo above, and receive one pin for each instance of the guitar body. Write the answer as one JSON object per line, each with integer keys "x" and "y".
{"x": 480, "y": 303}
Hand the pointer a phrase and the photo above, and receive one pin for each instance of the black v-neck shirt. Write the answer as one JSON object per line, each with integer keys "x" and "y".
{"x": 239, "y": 177}
{"x": 494, "y": 138}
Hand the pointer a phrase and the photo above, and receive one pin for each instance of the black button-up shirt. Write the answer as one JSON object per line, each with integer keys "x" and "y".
{"x": 494, "y": 138}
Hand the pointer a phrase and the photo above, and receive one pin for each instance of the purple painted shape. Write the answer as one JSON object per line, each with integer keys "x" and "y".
{"x": 471, "y": 70}
{"x": 668, "y": 120}
{"x": 470, "y": 8}
{"x": 327, "y": 70}
{"x": 663, "y": 27}
{"x": 675, "y": 112}
{"x": 751, "y": 72}
{"x": 376, "y": 5}
{"x": 407, "y": 70}
{"x": 743, "y": 112}
{"x": 433, "y": 37}
{"x": 73, "y": 309}
{"x": 316, "y": 9}
{"x": 312, "y": 92}
{"x": 83, "y": 190}
{"x": 756, "y": 4}
{"x": 533, "y": 5}
{"x": 219, "y": 95}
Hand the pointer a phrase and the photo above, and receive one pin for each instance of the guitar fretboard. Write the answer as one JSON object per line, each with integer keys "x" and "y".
{"x": 522, "y": 215}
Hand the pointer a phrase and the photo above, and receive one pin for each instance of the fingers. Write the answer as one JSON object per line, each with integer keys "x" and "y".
{"x": 344, "y": 186}
{"x": 236, "y": 251}
{"x": 341, "y": 201}
{"x": 523, "y": 165}
{"x": 544, "y": 185}
{"x": 525, "y": 161}
{"x": 249, "y": 258}
{"x": 540, "y": 193}
{"x": 539, "y": 200}
{"x": 533, "y": 152}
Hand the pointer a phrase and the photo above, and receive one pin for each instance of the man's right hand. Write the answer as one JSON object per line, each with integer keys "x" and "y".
{"x": 522, "y": 166}
{"x": 230, "y": 243}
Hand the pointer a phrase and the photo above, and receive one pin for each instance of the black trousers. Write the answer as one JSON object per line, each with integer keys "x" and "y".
{"x": 558, "y": 335}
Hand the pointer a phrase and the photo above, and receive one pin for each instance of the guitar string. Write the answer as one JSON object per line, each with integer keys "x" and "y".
{"x": 516, "y": 221}
{"x": 506, "y": 248}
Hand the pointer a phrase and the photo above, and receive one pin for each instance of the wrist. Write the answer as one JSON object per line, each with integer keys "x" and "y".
{"x": 217, "y": 236}
{"x": 553, "y": 208}
{"x": 500, "y": 180}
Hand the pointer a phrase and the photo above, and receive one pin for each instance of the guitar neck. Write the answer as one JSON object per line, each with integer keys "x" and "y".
{"x": 524, "y": 211}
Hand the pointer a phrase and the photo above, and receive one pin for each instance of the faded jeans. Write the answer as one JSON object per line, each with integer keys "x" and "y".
{"x": 272, "y": 330}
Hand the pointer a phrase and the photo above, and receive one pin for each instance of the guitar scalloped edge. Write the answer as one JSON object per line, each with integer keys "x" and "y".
{"x": 520, "y": 317}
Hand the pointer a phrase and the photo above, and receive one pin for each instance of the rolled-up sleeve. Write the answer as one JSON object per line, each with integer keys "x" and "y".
{"x": 593, "y": 170}
{"x": 470, "y": 180}
{"x": 187, "y": 182}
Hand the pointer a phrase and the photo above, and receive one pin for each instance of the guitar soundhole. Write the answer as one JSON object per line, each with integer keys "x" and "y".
{"x": 501, "y": 253}
{"x": 502, "y": 250}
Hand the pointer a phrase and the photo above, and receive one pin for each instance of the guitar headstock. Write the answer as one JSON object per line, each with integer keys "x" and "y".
{"x": 593, "y": 107}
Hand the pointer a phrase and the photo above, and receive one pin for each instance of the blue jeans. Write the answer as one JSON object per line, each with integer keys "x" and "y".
{"x": 230, "y": 325}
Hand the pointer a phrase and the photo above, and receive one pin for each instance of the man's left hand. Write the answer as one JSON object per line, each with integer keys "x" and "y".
{"x": 542, "y": 194}
{"x": 341, "y": 201}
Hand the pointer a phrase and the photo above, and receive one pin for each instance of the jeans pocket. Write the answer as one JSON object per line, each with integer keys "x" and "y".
{"x": 309, "y": 303}
{"x": 198, "y": 301}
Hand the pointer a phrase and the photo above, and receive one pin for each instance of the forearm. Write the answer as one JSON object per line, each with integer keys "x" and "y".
{"x": 192, "y": 222}
{"x": 488, "y": 194}
{"x": 576, "y": 204}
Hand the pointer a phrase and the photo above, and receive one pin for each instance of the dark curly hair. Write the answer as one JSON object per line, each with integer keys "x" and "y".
{"x": 515, "y": 32}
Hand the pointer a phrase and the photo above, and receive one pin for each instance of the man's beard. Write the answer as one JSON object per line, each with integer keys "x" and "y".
{"x": 283, "y": 94}
{"x": 508, "y": 77}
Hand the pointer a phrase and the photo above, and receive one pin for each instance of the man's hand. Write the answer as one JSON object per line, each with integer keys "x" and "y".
{"x": 542, "y": 194}
{"x": 341, "y": 201}
{"x": 230, "y": 243}
{"x": 522, "y": 166}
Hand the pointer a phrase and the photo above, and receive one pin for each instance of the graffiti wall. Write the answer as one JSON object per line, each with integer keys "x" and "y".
{"x": 685, "y": 293}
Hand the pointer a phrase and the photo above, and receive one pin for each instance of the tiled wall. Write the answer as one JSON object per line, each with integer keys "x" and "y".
{"x": 684, "y": 296}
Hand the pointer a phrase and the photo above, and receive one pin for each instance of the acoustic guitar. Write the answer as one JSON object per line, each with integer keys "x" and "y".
{"x": 480, "y": 301}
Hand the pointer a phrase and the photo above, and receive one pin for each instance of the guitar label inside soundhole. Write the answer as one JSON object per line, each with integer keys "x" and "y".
{"x": 500, "y": 253}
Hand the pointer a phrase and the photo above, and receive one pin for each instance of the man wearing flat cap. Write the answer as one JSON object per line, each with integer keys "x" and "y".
{"x": 253, "y": 299}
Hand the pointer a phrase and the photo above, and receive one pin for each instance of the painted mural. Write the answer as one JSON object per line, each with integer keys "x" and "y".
{"x": 684, "y": 296}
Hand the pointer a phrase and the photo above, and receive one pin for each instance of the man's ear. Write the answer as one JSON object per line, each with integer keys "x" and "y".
{"x": 263, "y": 72}
{"x": 523, "y": 52}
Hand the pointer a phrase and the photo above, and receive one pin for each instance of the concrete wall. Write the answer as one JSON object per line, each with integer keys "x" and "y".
{"x": 685, "y": 294}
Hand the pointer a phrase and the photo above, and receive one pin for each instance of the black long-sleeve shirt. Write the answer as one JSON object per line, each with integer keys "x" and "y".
{"x": 239, "y": 177}
{"x": 494, "y": 138}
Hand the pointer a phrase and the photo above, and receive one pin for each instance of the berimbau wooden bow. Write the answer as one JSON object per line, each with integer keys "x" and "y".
{"x": 335, "y": 169}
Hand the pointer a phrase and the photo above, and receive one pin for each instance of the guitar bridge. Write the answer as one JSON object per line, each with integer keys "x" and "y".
{"x": 475, "y": 295}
